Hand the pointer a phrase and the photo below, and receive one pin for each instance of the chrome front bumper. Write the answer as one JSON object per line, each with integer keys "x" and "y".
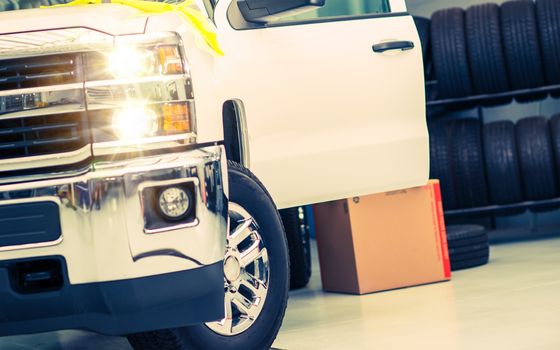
{"x": 103, "y": 235}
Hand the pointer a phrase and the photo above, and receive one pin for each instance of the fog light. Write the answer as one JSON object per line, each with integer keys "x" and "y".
{"x": 174, "y": 203}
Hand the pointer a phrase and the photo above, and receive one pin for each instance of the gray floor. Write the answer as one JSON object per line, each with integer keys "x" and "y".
{"x": 512, "y": 303}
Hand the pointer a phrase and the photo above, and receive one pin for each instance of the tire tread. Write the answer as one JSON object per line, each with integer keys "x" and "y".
{"x": 521, "y": 44}
{"x": 502, "y": 163}
{"x": 449, "y": 53}
{"x": 536, "y": 158}
{"x": 468, "y": 164}
{"x": 485, "y": 50}
{"x": 548, "y": 16}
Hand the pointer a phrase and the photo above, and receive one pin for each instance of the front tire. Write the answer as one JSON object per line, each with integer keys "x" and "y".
{"x": 256, "y": 278}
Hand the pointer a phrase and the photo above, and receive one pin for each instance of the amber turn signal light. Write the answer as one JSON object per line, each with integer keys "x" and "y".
{"x": 176, "y": 118}
{"x": 170, "y": 60}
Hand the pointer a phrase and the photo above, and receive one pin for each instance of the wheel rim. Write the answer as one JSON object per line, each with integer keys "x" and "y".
{"x": 246, "y": 274}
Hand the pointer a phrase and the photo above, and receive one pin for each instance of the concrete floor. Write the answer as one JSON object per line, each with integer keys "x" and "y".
{"x": 512, "y": 303}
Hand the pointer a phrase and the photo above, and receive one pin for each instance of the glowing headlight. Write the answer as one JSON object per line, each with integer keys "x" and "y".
{"x": 139, "y": 95}
{"x": 130, "y": 62}
{"x": 135, "y": 123}
{"x": 140, "y": 122}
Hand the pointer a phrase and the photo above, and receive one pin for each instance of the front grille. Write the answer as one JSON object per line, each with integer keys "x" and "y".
{"x": 35, "y": 136}
{"x": 39, "y": 71}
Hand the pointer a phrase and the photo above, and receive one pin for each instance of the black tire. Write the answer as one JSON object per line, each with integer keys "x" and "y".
{"x": 457, "y": 234}
{"x": 247, "y": 191}
{"x": 474, "y": 252}
{"x": 297, "y": 234}
{"x": 470, "y": 250}
{"x": 468, "y": 164}
{"x": 536, "y": 158}
{"x": 502, "y": 163}
{"x": 468, "y": 246}
{"x": 555, "y": 136}
{"x": 423, "y": 27}
{"x": 468, "y": 242}
{"x": 548, "y": 18}
{"x": 521, "y": 44}
{"x": 467, "y": 264}
{"x": 449, "y": 53}
{"x": 486, "y": 57}
{"x": 440, "y": 162}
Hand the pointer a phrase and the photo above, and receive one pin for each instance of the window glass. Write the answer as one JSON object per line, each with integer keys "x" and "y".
{"x": 13, "y": 5}
{"x": 210, "y": 5}
{"x": 337, "y": 8}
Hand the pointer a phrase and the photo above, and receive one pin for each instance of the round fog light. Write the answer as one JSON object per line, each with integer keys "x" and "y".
{"x": 174, "y": 203}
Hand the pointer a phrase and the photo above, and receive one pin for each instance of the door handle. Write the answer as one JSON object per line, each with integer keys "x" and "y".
{"x": 393, "y": 45}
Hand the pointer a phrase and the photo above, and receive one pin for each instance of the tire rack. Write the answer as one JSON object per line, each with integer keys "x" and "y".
{"x": 478, "y": 102}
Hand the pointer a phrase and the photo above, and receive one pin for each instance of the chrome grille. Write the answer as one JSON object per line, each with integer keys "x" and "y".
{"x": 39, "y": 71}
{"x": 42, "y": 135}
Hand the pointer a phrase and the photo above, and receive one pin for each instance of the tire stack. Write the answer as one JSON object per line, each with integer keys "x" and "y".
{"x": 491, "y": 49}
{"x": 497, "y": 163}
{"x": 457, "y": 160}
{"x": 468, "y": 246}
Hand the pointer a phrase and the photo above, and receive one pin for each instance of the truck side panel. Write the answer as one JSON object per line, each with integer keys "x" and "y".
{"x": 327, "y": 117}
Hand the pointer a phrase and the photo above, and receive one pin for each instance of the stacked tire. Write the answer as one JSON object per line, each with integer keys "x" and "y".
{"x": 497, "y": 163}
{"x": 440, "y": 162}
{"x": 548, "y": 19}
{"x": 485, "y": 51}
{"x": 502, "y": 163}
{"x": 490, "y": 49}
{"x": 449, "y": 53}
{"x": 468, "y": 246}
{"x": 468, "y": 163}
{"x": 457, "y": 160}
{"x": 535, "y": 150}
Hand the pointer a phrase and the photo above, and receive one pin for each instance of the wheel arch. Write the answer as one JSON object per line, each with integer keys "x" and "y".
{"x": 236, "y": 133}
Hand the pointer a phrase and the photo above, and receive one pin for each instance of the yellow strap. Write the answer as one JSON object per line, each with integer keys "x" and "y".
{"x": 189, "y": 13}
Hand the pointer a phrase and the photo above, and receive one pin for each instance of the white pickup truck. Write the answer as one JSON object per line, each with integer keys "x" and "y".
{"x": 126, "y": 144}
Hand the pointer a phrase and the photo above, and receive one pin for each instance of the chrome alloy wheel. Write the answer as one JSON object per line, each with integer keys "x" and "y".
{"x": 246, "y": 274}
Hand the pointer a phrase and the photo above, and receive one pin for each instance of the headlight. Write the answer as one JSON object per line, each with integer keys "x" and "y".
{"x": 139, "y": 95}
{"x": 129, "y": 62}
{"x": 135, "y": 123}
{"x": 132, "y": 62}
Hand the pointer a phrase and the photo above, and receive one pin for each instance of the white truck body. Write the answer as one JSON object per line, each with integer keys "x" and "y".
{"x": 326, "y": 117}
{"x": 350, "y": 121}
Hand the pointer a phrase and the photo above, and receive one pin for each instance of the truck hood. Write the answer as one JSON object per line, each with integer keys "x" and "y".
{"x": 108, "y": 18}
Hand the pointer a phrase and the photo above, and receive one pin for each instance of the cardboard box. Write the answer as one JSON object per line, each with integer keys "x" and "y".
{"x": 384, "y": 241}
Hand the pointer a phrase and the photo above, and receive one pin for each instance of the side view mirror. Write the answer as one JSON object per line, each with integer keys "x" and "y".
{"x": 265, "y": 11}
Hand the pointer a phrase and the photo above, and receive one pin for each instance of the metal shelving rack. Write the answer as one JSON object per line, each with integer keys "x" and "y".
{"x": 480, "y": 99}
{"x": 478, "y": 102}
